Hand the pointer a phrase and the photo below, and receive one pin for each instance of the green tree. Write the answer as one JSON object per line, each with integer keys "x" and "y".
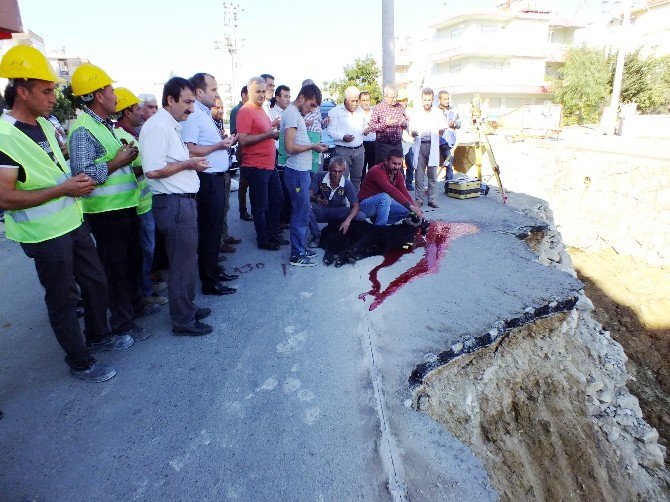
{"x": 582, "y": 87}
{"x": 646, "y": 81}
{"x": 364, "y": 74}
{"x": 64, "y": 109}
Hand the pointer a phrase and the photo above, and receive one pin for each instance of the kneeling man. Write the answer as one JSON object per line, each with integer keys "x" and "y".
{"x": 383, "y": 196}
{"x": 328, "y": 195}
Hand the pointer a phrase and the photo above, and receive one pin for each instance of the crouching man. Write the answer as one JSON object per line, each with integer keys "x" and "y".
{"x": 328, "y": 195}
{"x": 383, "y": 196}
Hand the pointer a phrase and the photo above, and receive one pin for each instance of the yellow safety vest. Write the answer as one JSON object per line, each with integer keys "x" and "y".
{"x": 145, "y": 194}
{"x": 55, "y": 217}
{"x": 119, "y": 191}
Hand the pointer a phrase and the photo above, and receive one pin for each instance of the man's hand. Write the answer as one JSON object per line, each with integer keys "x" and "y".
{"x": 345, "y": 226}
{"x": 273, "y": 134}
{"x": 414, "y": 134}
{"x": 199, "y": 164}
{"x": 325, "y": 122}
{"x": 228, "y": 141}
{"x": 391, "y": 121}
{"x": 348, "y": 138}
{"x": 126, "y": 154}
{"x": 366, "y": 131}
{"x": 321, "y": 201}
{"x": 416, "y": 210}
{"x": 320, "y": 147}
{"x": 276, "y": 122}
{"x": 78, "y": 186}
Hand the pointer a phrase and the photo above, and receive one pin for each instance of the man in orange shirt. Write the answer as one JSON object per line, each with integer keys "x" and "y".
{"x": 256, "y": 135}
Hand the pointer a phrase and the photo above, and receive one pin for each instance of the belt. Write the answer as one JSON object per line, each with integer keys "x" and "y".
{"x": 350, "y": 147}
{"x": 221, "y": 173}
{"x": 425, "y": 141}
{"x": 186, "y": 195}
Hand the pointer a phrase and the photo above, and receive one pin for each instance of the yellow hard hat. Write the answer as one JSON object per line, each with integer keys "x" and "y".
{"x": 24, "y": 61}
{"x": 88, "y": 78}
{"x": 124, "y": 98}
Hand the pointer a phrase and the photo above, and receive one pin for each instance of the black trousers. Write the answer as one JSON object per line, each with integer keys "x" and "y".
{"x": 285, "y": 213}
{"x": 61, "y": 264}
{"x": 266, "y": 201}
{"x": 242, "y": 192}
{"x": 369, "y": 156}
{"x": 211, "y": 216}
{"x": 117, "y": 237}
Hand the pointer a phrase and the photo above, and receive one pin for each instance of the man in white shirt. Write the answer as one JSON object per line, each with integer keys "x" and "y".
{"x": 426, "y": 125}
{"x": 346, "y": 128}
{"x": 448, "y": 139}
{"x": 173, "y": 180}
{"x": 368, "y": 139}
{"x": 203, "y": 139}
{"x": 269, "y": 91}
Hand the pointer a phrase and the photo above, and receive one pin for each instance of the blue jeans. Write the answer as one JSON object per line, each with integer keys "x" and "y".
{"x": 266, "y": 200}
{"x": 147, "y": 241}
{"x": 409, "y": 171}
{"x": 297, "y": 184}
{"x": 383, "y": 209}
{"x": 324, "y": 214}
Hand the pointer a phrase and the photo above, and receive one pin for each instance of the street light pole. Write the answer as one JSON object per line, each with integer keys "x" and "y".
{"x": 388, "y": 42}
{"x": 610, "y": 124}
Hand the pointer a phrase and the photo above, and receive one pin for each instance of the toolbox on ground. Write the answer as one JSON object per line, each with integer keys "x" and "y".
{"x": 462, "y": 188}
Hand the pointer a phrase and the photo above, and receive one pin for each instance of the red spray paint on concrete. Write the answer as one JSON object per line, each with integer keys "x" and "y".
{"x": 436, "y": 242}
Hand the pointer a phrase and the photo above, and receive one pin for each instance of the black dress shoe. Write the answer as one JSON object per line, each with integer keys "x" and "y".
{"x": 198, "y": 329}
{"x": 280, "y": 240}
{"x": 227, "y": 277}
{"x": 246, "y": 216}
{"x": 218, "y": 289}
{"x": 269, "y": 246}
{"x": 232, "y": 240}
{"x": 221, "y": 258}
{"x": 201, "y": 313}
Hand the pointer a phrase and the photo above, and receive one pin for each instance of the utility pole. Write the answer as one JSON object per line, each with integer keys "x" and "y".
{"x": 388, "y": 43}
{"x": 610, "y": 119}
{"x": 230, "y": 42}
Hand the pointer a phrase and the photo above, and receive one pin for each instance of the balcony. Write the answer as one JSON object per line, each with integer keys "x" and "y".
{"x": 452, "y": 49}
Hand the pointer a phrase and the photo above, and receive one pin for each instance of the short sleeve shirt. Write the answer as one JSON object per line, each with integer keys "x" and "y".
{"x": 252, "y": 119}
{"x": 338, "y": 196}
{"x": 292, "y": 118}
{"x": 200, "y": 129}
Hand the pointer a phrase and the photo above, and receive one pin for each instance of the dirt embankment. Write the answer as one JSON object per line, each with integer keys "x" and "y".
{"x": 632, "y": 300}
{"x": 547, "y": 408}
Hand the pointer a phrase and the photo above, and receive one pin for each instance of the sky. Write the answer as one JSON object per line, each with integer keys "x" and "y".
{"x": 140, "y": 43}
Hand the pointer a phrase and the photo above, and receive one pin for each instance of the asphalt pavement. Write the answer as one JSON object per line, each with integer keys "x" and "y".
{"x": 300, "y": 394}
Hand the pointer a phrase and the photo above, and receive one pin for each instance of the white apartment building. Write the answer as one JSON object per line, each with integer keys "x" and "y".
{"x": 503, "y": 55}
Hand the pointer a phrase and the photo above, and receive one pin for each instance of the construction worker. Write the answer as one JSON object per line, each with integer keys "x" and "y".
{"x": 129, "y": 120}
{"x": 44, "y": 214}
{"x": 111, "y": 209}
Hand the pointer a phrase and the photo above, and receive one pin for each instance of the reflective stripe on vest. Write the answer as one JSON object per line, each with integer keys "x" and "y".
{"x": 54, "y": 218}
{"x": 33, "y": 213}
{"x": 119, "y": 191}
{"x": 145, "y": 201}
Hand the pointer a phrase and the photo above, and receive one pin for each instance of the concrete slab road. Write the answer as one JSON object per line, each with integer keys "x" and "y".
{"x": 301, "y": 393}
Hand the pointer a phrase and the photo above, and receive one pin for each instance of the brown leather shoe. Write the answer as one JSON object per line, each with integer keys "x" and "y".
{"x": 433, "y": 204}
{"x": 232, "y": 240}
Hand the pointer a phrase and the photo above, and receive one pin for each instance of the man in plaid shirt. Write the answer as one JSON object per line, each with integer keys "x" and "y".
{"x": 388, "y": 120}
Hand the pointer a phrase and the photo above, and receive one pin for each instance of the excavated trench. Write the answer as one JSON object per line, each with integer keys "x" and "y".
{"x": 542, "y": 399}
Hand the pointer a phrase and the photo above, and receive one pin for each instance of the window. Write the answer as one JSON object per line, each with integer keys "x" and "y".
{"x": 63, "y": 69}
{"x": 492, "y": 66}
{"x": 456, "y": 31}
{"x": 486, "y": 29}
{"x": 454, "y": 69}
